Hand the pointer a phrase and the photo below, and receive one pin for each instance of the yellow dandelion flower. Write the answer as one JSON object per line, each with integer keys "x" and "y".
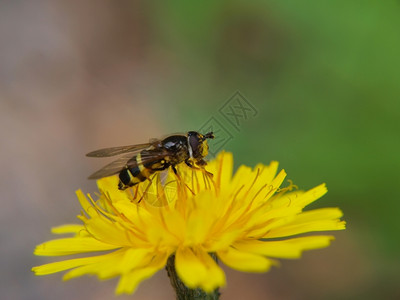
{"x": 246, "y": 221}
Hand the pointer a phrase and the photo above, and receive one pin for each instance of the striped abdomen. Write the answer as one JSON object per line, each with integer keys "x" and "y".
{"x": 140, "y": 171}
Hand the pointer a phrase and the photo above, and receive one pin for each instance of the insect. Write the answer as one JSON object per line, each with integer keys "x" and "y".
{"x": 139, "y": 162}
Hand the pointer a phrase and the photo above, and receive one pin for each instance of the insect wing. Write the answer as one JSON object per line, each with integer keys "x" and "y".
{"x": 107, "y": 152}
{"x": 127, "y": 160}
{"x": 112, "y": 168}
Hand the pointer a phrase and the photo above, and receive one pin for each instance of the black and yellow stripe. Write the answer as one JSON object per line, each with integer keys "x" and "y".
{"x": 131, "y": 176}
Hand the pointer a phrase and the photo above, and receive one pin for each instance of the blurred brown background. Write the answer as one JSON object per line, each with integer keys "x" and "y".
{"x": 322, "y": 80}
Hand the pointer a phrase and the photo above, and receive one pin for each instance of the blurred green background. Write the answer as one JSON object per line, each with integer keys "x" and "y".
{"x": 322, "y": 79}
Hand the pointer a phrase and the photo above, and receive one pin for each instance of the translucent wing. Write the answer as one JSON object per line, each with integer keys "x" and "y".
{"x": 106, "y": 152}
{"x": 112, "y": 168}
{"x": 129, "y": 161}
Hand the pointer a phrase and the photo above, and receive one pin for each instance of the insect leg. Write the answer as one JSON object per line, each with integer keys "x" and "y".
{"x": 134, "y": 194}
{"x": 199, "y": 163}
{"x": 190, "y": 165}
{"x": 174, "y": 169}
{"x": 147, "y": 188}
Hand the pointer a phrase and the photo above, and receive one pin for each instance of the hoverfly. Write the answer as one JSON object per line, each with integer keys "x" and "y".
{"x": 140, "y": 161}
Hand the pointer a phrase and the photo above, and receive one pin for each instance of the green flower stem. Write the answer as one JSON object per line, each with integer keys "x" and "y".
{"x": 182, "y": 291}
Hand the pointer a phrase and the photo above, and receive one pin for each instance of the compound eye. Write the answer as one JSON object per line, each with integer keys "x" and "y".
{"x": 194, "y": 144}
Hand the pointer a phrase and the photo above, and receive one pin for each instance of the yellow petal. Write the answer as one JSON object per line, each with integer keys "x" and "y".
{"x": 201, "y": 219}
{"x": 197, "y": 269}
{"x": 107, "y": 183}
{"x": 164, "y": 228}
{"x": 108, "y": 186}
{"x": 241, "y": 177}
{"x": 86, "y": 205}
{"x": 328, "y": 213}
{"x": 243, "y": 261}
{"x": 307, "y": 227}
{"x": 262, "y": 221}
{"x": 268, "y": 173}
{"x": 67, "y": 246}
{"x": 221, "y": 240}
{"x": 129, "y": 281}
{"x": 262, "y": 183}
{"x": 312, "y": 195}
{"x": 71, "y": 263}
{"x": 276, "y": 183}
{"x": 215, "y": 277}
{"x": 291, "y": 248}
{"x": 225, "y": 167}
{"x": 315, "y": 220}
{"x": 189, "y": 267}
{"x": 108, "y": 231}
{"x": 126, "y": 261}
{"x": 136, "y": 258}
{"x": 68, "y": 228}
